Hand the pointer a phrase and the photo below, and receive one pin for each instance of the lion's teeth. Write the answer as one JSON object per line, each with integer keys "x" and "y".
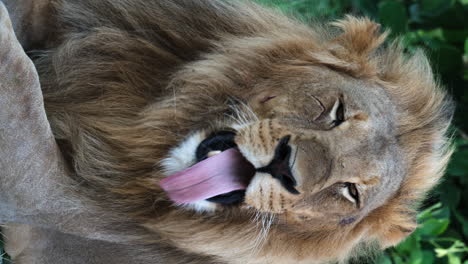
{"x": 213, "y": 152}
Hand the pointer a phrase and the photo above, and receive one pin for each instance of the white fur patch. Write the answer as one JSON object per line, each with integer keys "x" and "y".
{"x": 182, "y": 157}
{"x": 257, "y": 158}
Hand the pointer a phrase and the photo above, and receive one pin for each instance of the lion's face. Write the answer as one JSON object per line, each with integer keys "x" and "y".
{"x": 322, "y": 143}
{"x": 342, "y": 148}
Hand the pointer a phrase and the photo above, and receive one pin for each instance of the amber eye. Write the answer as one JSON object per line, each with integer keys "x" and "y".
{"x": 351, "y": 192}
{"x": 337, "y": 113}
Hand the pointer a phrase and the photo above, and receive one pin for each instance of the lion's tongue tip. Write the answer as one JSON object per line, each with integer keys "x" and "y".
{"x": 225, "y": 172}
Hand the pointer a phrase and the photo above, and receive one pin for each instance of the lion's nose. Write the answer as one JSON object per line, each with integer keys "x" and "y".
{"x": 279, "y": 166}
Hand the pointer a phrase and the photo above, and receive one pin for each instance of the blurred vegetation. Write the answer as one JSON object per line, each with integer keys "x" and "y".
{"x": 440, "y": 27}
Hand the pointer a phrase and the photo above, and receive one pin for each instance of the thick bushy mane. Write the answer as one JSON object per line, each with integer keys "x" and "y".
{"x": 111, "y": 94}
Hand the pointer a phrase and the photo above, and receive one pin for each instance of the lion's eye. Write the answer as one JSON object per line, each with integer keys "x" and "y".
{"x": 351, "y": 192}
{"x": 337, "y": 113}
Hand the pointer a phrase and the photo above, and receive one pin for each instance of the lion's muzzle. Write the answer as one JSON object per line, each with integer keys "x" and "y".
{"x": 279, "y": 166}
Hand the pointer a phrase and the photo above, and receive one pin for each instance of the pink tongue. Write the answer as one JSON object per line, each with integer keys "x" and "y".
{"x": 222, "y": 173}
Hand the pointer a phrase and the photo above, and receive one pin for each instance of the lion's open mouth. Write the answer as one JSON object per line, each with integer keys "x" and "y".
{"x": 221, "y": 174}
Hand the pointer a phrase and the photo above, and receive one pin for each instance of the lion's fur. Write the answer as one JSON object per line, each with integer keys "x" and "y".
{"x": 125, "y": 81}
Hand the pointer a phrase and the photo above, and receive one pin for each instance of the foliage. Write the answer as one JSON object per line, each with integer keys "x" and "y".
{"x": 440, "y": 28}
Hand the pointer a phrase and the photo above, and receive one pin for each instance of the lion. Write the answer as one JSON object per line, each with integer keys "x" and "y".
{"x": 225, "y": 132}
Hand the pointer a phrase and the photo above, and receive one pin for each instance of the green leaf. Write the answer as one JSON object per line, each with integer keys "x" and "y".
{"x": 398, "y": 260}
{"x": 408, "y": 245}
{"x": 428, "y": 257}
{"x": 441, "y": 252}
{"x": 392, "y": 14}
{"x": 453, "y": 252}
{"x": 434, "y": 227}
{"x": 453, "y": 259}
{"x": 383, "y": 259}
{"x": 427, "y": 213}
{"x": 436, "y": 211}
{"x": 416, "y": 257}
{"x": 466, "y": 45}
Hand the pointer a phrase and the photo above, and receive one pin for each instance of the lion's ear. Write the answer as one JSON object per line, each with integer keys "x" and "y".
{"x": 351, "y": 49}
{"x": 360, "y": 36}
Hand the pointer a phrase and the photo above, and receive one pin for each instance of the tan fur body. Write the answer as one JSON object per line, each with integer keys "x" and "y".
{"x": 124, "y": 82}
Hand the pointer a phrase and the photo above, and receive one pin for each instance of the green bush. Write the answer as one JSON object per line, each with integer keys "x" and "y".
{"x": 441, "y": 28}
